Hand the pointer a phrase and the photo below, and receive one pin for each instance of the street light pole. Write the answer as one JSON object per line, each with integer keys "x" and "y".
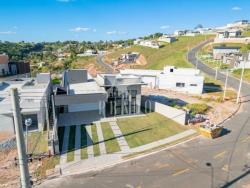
{"x": 28, "y": 122}
{"x": 212, "y": 174}
{"x": 241, "y": 80}
{"x": 22, "y": 158}
{"x": 225, "y": 89}
{"x": 216, "y": 73}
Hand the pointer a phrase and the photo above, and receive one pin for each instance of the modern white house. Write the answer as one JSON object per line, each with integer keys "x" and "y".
{"x": 79, "y": 99}
{"x": 167, "y": 39}
{"x": 147, "y": 43}
{"x": 129, "y": 57}
{"x": 232, "y": 33}
{"x": 241, "y": 63}
{"x": 220, "y": 51}
{"x": 179, "y": 33}
{"x": 124, "y": 93}
{"x": 238, "y": 24}
{"x": 88, "y": 53}
{"x": 34, "y": 96}
{"x": 4, "y": 64}
{"x": 185, "y": 80}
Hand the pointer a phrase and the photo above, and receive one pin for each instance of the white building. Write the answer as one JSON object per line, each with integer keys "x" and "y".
{"x": 242, "y": 63}
{"x": 238, "y": 24}
{"x": 88, "y": 53}
{"x": 192, "y": 33}
{"x": 179, "y": 32}
{"x": 220, "y": 51}
{"x": 34, "y": 98}
{"x": 185, "y": 80}
{"x": 167, "y": 38}
{"x": 147, "y": 43}
{"x": 4, "y": 64}
{"x": 232, "y": 33}
{"x": 129, "y": 57}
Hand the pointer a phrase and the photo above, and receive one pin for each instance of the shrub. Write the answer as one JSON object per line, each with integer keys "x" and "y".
{"x": 197, "y": 108}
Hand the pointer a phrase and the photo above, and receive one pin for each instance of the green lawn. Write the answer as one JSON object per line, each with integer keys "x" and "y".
{"x": 95, "y": 141}
{"x": 37, "y": 142}
{"x": 237, "y": 73}
{"x": 170, "y": 54}
{"x": 71, "y": 144}
{"x": 111, "y": 143}
{"x": 84, "y": 152}
{"x": 143, "y": 130}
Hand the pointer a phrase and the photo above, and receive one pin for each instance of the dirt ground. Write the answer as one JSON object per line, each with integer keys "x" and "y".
{"x": 5, "y": 135}
{"x": 218, "y": 110}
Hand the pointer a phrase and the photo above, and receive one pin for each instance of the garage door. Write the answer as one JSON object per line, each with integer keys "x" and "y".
{"x": 83, "y": 107}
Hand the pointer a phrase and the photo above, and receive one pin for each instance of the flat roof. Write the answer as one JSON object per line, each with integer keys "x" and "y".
{"x": 226, "y": 47}
{"x": 85, "y": 88}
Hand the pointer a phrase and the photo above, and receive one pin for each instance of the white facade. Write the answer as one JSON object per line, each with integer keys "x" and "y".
{"x": 147, "y": 43}
{"x": 185, "y": 80}
{"x": 220, "y": 51}
{"x": 166, "y": 38}
{"x": 34, "y": 94}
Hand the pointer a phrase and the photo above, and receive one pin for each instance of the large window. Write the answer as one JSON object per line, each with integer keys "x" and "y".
{"x": 179, "y": 84}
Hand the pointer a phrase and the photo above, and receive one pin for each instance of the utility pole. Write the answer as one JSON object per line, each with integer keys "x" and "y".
{"x": 225, "y": 89}
{"x": 23, "y": 163}
{"x": 216, "y": 73}
{"x": 241, "y": 79}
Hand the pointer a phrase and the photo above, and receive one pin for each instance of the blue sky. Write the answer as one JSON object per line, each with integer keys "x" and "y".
{"x": 92, "y": 20}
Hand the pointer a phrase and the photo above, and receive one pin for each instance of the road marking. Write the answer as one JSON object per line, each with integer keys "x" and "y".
{"x": 180, "y": 172}
{"x": 220, "y": 154}
{"x": 245, "y": 139}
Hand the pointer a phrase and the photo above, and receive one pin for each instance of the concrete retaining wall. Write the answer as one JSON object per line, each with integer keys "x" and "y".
{"x": 177, "y": 115}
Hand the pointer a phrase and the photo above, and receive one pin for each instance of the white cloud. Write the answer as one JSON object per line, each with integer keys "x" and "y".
{"x": 164, "y": 27}
{"x": 236, "y": 8}
{"x": 80, "y": 29}
{"x": 7, "y": 32}
{"x": 114, "y": 32}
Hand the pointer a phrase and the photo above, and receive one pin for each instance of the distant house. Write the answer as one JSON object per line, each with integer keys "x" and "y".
{"x": 34, "y": 94}
{"x": 4, "y": 64}
{"x": 147, "y": 43}
{"x": 180, "y": 32}
{"x": 88, "y": 53}
{"x": 220, "y": 51}
{"x": 191, "y": 33}
{"x": 239, "y": 23}
{"x": 19, "y": 67}
{"x": 167, "y": 38}
{"x": 185, "y": 80}
{"x": 233, "y": 33}
{"x": 129, "y": 57}
{"x": 242, "y": 63}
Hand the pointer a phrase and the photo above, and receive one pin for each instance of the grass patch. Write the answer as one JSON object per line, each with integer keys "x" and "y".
{"x": 48, "y": 163}
{"x": 95, "y": 141}
{"x": 84, "y": 152}
{"x": 237, "y": 73}
{"x": 71, "y": 144}
{"x": 160, "y": 147}
{"x": 111, "y": 143}
{"x": 37, "y": 142}
{"x": 170, "y": 54}
{"x": 197, "y": 108}
{"x": 152, "y": 127}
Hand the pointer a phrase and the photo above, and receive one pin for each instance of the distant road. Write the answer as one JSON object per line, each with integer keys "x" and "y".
{"x": 99, "y": 60}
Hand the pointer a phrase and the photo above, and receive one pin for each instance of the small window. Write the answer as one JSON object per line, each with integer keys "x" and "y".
{"x": 171, "y": 70}
{"x": 194, "y": 85}
{"x": 178, "y": 84}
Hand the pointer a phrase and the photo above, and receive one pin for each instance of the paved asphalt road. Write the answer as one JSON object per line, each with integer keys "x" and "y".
{"x": 184, "y": 165}
{"x": 99, "y": 60}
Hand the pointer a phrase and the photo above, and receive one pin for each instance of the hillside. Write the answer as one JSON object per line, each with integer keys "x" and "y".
{"x": 170, "y": 54}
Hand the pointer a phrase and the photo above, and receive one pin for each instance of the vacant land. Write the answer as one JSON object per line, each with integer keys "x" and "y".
{"x": 111, "y": 143}
{"x": 152, "y": 127}
{"x": 170, "y": 54}
{"x": 237, "y": 73}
